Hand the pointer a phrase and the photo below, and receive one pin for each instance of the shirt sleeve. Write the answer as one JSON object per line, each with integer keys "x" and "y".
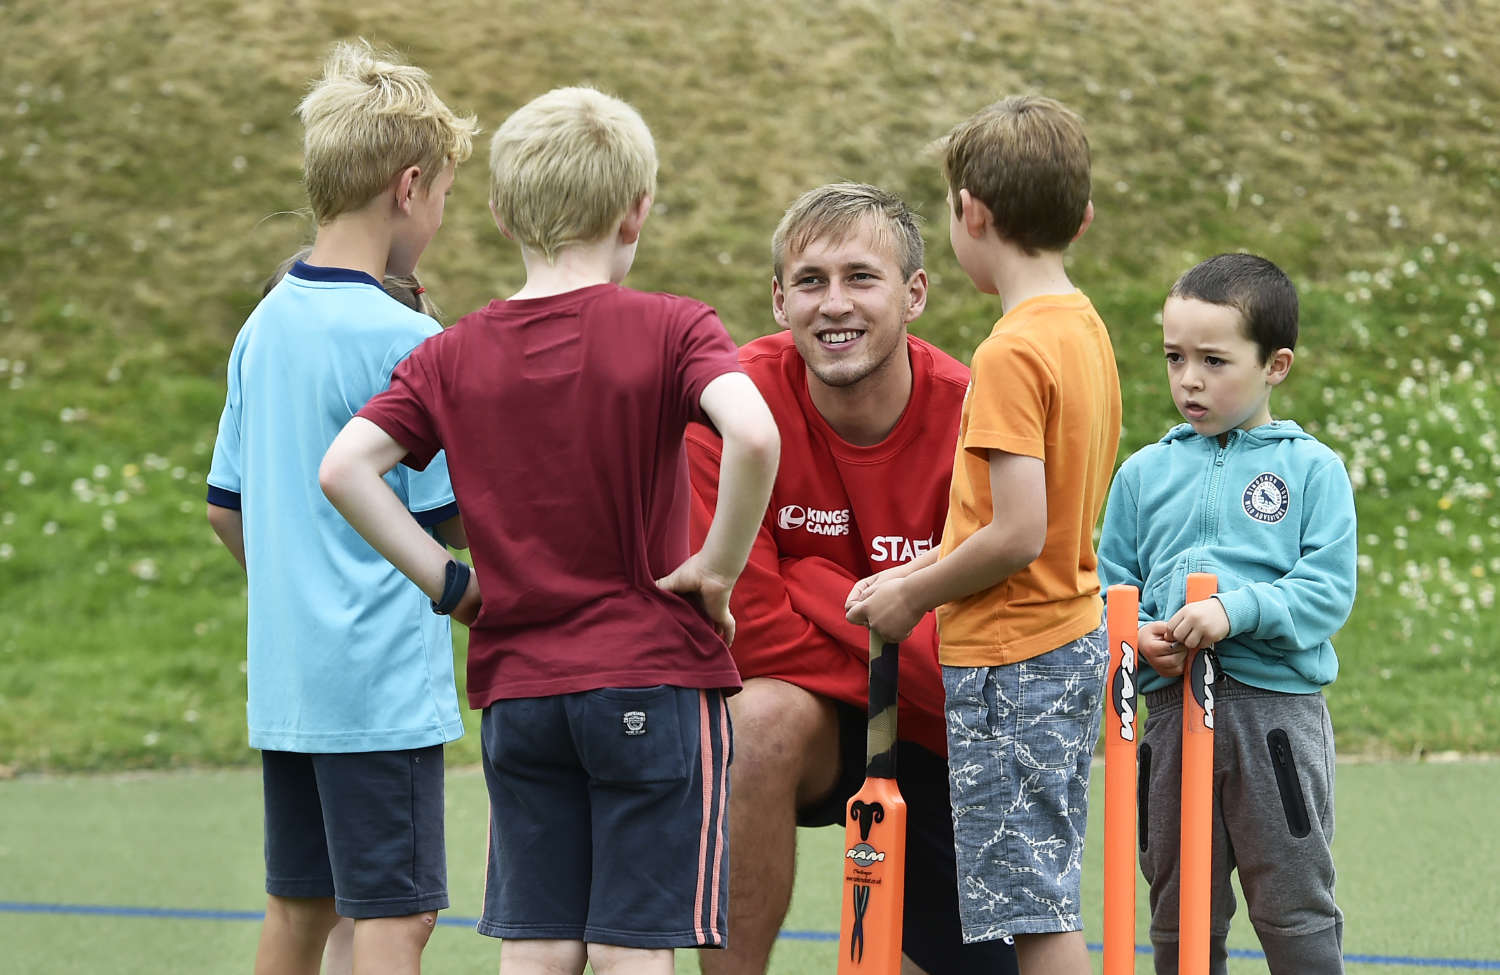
{"x": 224, "y": 475}
{"x": 812, "y": 584}
{"x": 771, "y": 639}
{"x": 430, "y": 492}
{"x": 704, "y": 353}
{"x": 791, "y": 626}
{"x": 1307, "y": 605}
{"x": 402, "y": 411}
{"x": 1012, "y": 394}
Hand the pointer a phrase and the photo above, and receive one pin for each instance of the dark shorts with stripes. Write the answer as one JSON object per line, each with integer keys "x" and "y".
{"x": 608, "y": 817}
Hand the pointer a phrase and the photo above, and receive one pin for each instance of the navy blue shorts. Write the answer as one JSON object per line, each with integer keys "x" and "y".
{"x": 365, "y": 828}
{"x": 607, "y": 817}
{"x": 930, "y": 934}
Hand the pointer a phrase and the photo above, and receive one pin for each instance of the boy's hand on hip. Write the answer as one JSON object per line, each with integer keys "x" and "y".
{"x": 1154, "y": 644}
{"x": 1200, "y": 624}
{"x": 467, "y": 610}
{"x": 885, "y": 608}
{"x": 709, "y": 590}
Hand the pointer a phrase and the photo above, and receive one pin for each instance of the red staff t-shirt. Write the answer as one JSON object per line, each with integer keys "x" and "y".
{"x": 838, "y": 513}
{"x": 562, "y": 419}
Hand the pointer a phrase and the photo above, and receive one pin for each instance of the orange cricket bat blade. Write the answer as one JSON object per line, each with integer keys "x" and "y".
{"x": 874, "y": 880}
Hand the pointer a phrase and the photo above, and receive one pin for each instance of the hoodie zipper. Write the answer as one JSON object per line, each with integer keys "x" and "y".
{"x": 1208, "y": 524}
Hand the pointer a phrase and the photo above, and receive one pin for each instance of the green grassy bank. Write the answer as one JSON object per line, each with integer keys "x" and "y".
{"x": 149, "y": 180}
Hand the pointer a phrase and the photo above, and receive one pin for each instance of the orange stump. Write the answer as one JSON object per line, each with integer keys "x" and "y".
{"x": 1123, "y": 616}
{"x": 1195, "y": 863}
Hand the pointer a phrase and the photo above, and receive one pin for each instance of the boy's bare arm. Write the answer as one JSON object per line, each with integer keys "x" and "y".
{"x": 747, "y": 471}
{"x": 351, "y": 477}
{"x": 229, "y": 525}
{"x": 1011, "y": 541}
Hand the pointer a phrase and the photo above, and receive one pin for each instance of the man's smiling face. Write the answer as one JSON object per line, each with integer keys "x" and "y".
{"x": 847, "y": 304}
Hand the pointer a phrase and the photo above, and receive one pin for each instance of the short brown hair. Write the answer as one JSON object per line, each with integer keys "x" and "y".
{"x": 832, "y": 211}
{"x": 1026, "y": 158}
{"x": 1253, "y": 286}
{"x": 368, "y": 118}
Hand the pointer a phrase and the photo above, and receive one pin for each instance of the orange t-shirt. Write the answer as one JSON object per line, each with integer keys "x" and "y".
{"x": 1044, "y": 385}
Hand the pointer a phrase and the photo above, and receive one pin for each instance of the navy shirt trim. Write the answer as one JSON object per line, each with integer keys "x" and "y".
{"x": 221, "y": 498}
{"x": 313, "y": 272}
{"x": 436, "y": 516}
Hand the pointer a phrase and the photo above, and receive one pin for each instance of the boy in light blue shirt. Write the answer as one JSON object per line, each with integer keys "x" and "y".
{"x": 1268, "y": 509}
{"x": 351, "y": 687}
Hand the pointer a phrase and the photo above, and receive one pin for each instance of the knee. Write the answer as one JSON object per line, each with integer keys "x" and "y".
{"x": 310, "y": 917}
{"x": 617, "y": 960}
{"x": 776, "y": 730}
{"x": 418, "y": 927}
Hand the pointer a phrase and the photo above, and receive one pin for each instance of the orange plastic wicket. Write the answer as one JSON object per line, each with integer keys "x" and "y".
{"x": 1123, "y": 616}
{"x": 1195, "y": 863}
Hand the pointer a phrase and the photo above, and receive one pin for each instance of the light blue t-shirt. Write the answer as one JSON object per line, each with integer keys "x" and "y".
{"x": 345, "y": 654}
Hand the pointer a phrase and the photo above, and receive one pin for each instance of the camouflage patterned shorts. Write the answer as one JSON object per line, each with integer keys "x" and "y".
{"x": 1020, "y": 739}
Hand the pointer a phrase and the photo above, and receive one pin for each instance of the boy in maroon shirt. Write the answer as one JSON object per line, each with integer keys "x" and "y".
{"x": 599, "y": 649}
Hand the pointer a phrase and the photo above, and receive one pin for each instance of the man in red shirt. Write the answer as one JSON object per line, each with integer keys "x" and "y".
{"x": 868, "y": 416}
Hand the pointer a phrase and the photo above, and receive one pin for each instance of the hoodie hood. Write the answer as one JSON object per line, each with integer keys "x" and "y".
{"x": 1266, "y": 432}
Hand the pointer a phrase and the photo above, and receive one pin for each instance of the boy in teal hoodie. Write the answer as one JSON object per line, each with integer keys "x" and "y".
{"x": 1268, "y": 509}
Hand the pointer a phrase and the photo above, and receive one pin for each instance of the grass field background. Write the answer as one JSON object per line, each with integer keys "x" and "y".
{"x": 1414, "y": 851}
{"x": 149, "y": 180}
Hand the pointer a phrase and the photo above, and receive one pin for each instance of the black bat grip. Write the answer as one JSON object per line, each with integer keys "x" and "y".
{"x": 880, "y": 742}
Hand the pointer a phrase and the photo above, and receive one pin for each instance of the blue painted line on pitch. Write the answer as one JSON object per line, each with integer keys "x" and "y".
{"x": 188, "y": 914}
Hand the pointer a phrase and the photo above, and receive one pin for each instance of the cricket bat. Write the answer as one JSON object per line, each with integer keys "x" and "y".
{"x": 875, "y": 836}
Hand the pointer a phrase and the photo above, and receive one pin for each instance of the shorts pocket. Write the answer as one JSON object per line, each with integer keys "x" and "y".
{"x": 631, "y": 734}
{"x": 1143, "y": 795}
{"x": 1287, "y": 783}
{"x": 1059, "y": 712}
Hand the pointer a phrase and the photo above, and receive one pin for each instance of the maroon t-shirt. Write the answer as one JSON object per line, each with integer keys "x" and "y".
{"x": 562, "y": 419}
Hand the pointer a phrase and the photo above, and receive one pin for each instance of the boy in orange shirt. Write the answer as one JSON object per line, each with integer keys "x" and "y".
{"x": 1019, "y": 610}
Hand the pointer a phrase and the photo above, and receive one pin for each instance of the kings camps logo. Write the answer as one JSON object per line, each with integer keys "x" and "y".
{"x": 1266, "y": 499}
{"x": 816, "y": 521}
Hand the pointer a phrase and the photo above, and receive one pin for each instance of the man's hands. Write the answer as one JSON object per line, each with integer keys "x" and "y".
{"x": 706, "y": 588}
{"x": 882, "y": 603}
{"x": 1165, "y": 645}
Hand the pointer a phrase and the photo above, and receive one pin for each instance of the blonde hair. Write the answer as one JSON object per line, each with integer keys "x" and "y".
{"x": 566, "y": 166}
{"x": 1027, "y": 159}
{"x": 833, "y": 211}
{"x": 368, "y": 118}
{"x": 405, "y": 288}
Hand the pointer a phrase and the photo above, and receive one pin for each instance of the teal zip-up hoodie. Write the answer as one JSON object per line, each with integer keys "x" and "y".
{"x": 1271, "y": 513}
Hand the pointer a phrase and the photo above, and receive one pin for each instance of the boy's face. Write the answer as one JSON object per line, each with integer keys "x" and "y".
{"x": 1214, "y": 369}
{"x": 847, "y": 304}
{"x": 966, "y": 248}
{"x": 421, "y": 219}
